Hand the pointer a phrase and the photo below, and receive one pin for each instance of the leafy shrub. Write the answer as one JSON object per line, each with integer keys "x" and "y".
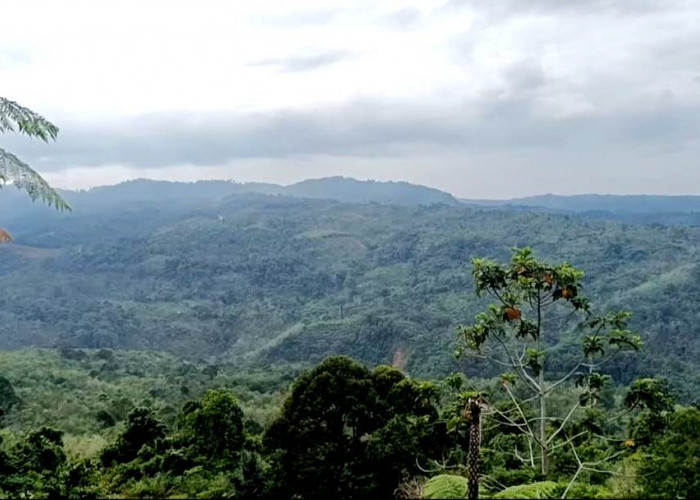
{"x": 446, "y": 486}
{"x": 543, "y": 489}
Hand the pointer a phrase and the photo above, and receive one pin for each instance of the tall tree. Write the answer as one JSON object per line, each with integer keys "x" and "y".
{"x": 13, "y": 171}
{"x": 349, "y": 432}
{"x": 530, "y": 297}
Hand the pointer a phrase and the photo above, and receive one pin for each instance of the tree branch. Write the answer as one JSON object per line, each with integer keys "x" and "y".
{"x": 522, "y": 413}
{"x": 566, "y": 377}
{"x": 561, "y": 427}
{"x": 527, "y": 379}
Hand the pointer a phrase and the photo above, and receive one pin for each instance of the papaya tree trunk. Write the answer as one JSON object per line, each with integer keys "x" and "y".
{"x": 544, "y": 460}
{"x": 543, "y": 426}
{"x": 474, "y": 448}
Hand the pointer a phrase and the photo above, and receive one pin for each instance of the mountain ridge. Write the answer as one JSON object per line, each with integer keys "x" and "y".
{"x": 264, "y": 279}
{"x": 350, "y": 190}
{"x": 615, "y": 203}
{"x": 342, "y": 189}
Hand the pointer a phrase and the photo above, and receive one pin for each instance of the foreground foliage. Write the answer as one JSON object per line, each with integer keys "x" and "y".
{"x": 159, "y": 426}
{"x": 13, "y": 171}
{"x": 340, "y": 429}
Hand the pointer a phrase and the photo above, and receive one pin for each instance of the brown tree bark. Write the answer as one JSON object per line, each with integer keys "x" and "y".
{"x": 474, "y": 448}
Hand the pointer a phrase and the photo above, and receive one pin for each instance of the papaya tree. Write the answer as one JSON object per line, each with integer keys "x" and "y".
{"x": 535, "y": 304}
{"x": 13, "y": 171}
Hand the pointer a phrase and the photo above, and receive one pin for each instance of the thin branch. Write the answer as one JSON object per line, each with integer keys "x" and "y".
{"x": 602, "y": 362}
{"x": 513, "y": 423}
{"x": 522, "y": 413}
{"x": 569, "y": 440}
{"x": 439, "y": 467}
{"x": 522, "y": 356}
{"x": 588, "y": 466}
{"x": 609, "y": 457}
{"x": 527, "y": 379}
{"x": 612, "y": 473}
{"x": 517, "y": 455}
{"x": 571, "y": 483}
{"x": 624, "y": 412}
{"x": 565, "y": 378}
{"x": 488, "y": 358}
{"x": 561, "y": 427}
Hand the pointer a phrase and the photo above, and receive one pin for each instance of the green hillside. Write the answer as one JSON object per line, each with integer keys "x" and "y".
{"x": 258, "y": 279}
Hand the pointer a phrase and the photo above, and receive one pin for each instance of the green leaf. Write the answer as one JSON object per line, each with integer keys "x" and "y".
{"x": 592, "y": 345}
{"x": 544, "y": 489}
{"x": 14, "y": 117}
{"x": 15, "y": 172}
{"x": 446, "y": 486}
{"x": 651, "y": 393}
{"x": 535, "y": 360}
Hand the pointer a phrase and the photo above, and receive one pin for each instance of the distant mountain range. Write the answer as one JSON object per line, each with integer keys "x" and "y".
{"x": 627, "y": 204}
{"x": 259, "y": 273}
{"x": 262, "y": 273}
{"x": 349, "y": 190}
{"x": 202, "y": 195}
{"x": 342, "y": 189}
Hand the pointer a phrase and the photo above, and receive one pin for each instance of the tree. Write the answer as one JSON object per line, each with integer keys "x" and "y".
{"x": 33, "y": 466}
{"x": 142, "y": 429}
{"x": 214, "y": 427}
{"x": 535, "y": 303}
{"x": 670, "y": 469}
{"x": 13, "y": 171}
{"x": 349, "y": 432}
{"x": 8, "y": 397}
{"x": 655, "y": 400}
{"x": 42, "y": 450}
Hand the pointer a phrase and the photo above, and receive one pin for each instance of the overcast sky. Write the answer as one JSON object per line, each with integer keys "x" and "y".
{"x": 482, "y": 98}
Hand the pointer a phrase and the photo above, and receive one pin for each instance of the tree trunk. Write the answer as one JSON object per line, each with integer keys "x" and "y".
{"x": 474, "y": 448}
{"x": 543, "y": 426}
{"x": 544, "y": 459}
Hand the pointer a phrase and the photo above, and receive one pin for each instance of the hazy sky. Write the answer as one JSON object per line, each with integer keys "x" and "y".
{"x": 482, "y": 98}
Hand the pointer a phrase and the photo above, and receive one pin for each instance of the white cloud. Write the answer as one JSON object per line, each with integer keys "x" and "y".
{"x": 461, "y": 92}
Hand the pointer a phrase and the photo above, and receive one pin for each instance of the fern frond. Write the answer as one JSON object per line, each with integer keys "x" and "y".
{"x": 446, "y": 486}
{"x": 15, "y": 172}
{"x": 14, "y": 117}
{"x": 543, "y": 489}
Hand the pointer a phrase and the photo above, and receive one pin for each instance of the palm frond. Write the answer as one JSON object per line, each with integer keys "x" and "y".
{"x": 14, "y": 117}
{"x": 15, "y": 172}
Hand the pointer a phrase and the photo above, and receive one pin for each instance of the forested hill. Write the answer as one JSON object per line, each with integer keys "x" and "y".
{"x": 260, "y": 279}
{"x": 206, "y": 193}
{"x": 649, "y": 209}
{"x": 615, "y": 203}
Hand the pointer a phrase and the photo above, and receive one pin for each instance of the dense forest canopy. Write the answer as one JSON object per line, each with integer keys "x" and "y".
{"x": 182, "y": 340}
{"x": 295, "y": 338}
{"x": 258, "y": 278}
